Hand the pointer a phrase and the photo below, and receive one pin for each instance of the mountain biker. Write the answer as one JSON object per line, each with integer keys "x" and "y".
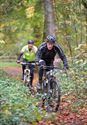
{"x": 46, "y": 53}
{"x": 28, "y": 53}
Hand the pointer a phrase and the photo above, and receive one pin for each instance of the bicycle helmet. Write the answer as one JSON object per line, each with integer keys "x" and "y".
{"x": 51, "y": 39}
{"x": 30, "y": 42}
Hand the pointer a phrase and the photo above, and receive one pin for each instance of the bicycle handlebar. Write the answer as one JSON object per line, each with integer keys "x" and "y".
{"x": 29, "y": 63}
{"x": 44, "y": 67}
{"x": 62, "y": 70}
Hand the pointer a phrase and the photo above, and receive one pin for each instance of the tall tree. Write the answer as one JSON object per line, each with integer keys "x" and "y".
{"x": 49, "y": 22}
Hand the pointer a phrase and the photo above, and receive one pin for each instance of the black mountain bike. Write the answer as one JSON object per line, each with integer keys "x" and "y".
{"x": 51, "y": 92}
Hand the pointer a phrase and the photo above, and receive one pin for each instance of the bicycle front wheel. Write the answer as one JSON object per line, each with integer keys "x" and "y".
{"x": 54, "y": 94}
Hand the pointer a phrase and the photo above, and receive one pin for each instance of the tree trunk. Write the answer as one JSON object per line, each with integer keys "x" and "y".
{"x": 49, "y": 22}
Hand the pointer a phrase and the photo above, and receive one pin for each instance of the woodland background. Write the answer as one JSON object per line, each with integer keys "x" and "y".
{"x": 21, "y": 20}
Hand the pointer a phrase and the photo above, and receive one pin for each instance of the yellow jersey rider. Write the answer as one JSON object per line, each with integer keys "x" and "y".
{"x": 28, "y": 53}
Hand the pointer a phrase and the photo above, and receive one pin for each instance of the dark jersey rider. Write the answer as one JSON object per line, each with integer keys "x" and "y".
{"x": 46, "y": 54}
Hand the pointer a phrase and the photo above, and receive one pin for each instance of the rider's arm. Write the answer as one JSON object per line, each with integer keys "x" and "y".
{"x": 21, "y": 53}
{"x": 62, "y": 56}
{"x": 38, "y": 55}
{"x": 40, "y": 51}
{"x": 19, "y": 57}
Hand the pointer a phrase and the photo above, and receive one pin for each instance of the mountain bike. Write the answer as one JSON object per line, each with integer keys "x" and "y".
{"x": 51, "y": 92}
{"x": 27, "y": 72}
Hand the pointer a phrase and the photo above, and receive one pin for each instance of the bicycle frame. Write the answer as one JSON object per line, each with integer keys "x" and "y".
{"x": 27, "y": 70}
{"x": 51, "y": 73}
{"x": 49, "y": 76}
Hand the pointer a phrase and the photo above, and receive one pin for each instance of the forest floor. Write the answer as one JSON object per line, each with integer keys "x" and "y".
{"x": 16, "y": 72}
{"x": 67, "y": 115}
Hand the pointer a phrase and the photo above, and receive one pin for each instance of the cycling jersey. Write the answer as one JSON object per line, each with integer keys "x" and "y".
{"x": 29, "y": 55}
{"x": 48, "y": 55}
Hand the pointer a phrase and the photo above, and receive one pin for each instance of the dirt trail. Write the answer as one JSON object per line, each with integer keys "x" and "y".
{"x": 16, "y": 72}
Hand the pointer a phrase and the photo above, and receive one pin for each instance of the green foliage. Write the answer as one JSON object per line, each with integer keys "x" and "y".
{"x": 19, "y": 107}
{"x": 70, "y": 19}
{"x": 74, "y": 84}
{"x": 16, "y": 29}
{"x": 16, "y": 103}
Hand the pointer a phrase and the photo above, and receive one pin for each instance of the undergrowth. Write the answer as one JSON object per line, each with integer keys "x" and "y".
{"x": 17, "y": 105}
